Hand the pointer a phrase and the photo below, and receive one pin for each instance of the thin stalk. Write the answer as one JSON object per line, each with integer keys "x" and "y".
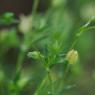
{"x": 39, "y": 89}
{"x": 22, "y": 53}
{"x": 63, "y": 80}
{"x": 51, "y": 84}
{"x": 35, "y": 5}
{"x": 81, "y": 31}
{"x": 18, "y": 70}
{"x": 20, "y": 61}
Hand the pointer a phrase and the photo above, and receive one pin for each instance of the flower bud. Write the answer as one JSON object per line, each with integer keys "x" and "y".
{"x": 35, "y": 55}
{"x": 72, "y": 56}
{"x": 25, "y": 24}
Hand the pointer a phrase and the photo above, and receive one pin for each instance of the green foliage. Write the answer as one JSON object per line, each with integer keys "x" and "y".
{"x": 52, "y": 40}
{"x": 7, "y": 18}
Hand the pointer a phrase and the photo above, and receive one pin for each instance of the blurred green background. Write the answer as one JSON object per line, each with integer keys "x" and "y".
{"x": 72, "y": 14}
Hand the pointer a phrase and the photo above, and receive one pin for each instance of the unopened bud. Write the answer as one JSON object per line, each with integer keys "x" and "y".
{"x": 35, "y": 55}
{"x": 72, "y": 56}
{"x": 25, "y": 24}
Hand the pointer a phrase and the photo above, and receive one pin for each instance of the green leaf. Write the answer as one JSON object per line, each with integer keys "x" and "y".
{"x": 7, "y": 18}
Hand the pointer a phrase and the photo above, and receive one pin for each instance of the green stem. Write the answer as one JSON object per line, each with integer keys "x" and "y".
{"x": 63, "y": 80}
{"x": 18, "y": 70}
{"x": 51, "y": 83}
{"x": 20, "y": 61}
{"x": 81, "y": 31}
{"x": 21, "y": 56}
{"x": 35, "y": 5}
{"x": 41, "y": 86}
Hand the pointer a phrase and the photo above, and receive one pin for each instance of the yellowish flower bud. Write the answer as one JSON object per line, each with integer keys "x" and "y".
{"x": 72, "y": 56}
{"x": 25, "y": 24}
